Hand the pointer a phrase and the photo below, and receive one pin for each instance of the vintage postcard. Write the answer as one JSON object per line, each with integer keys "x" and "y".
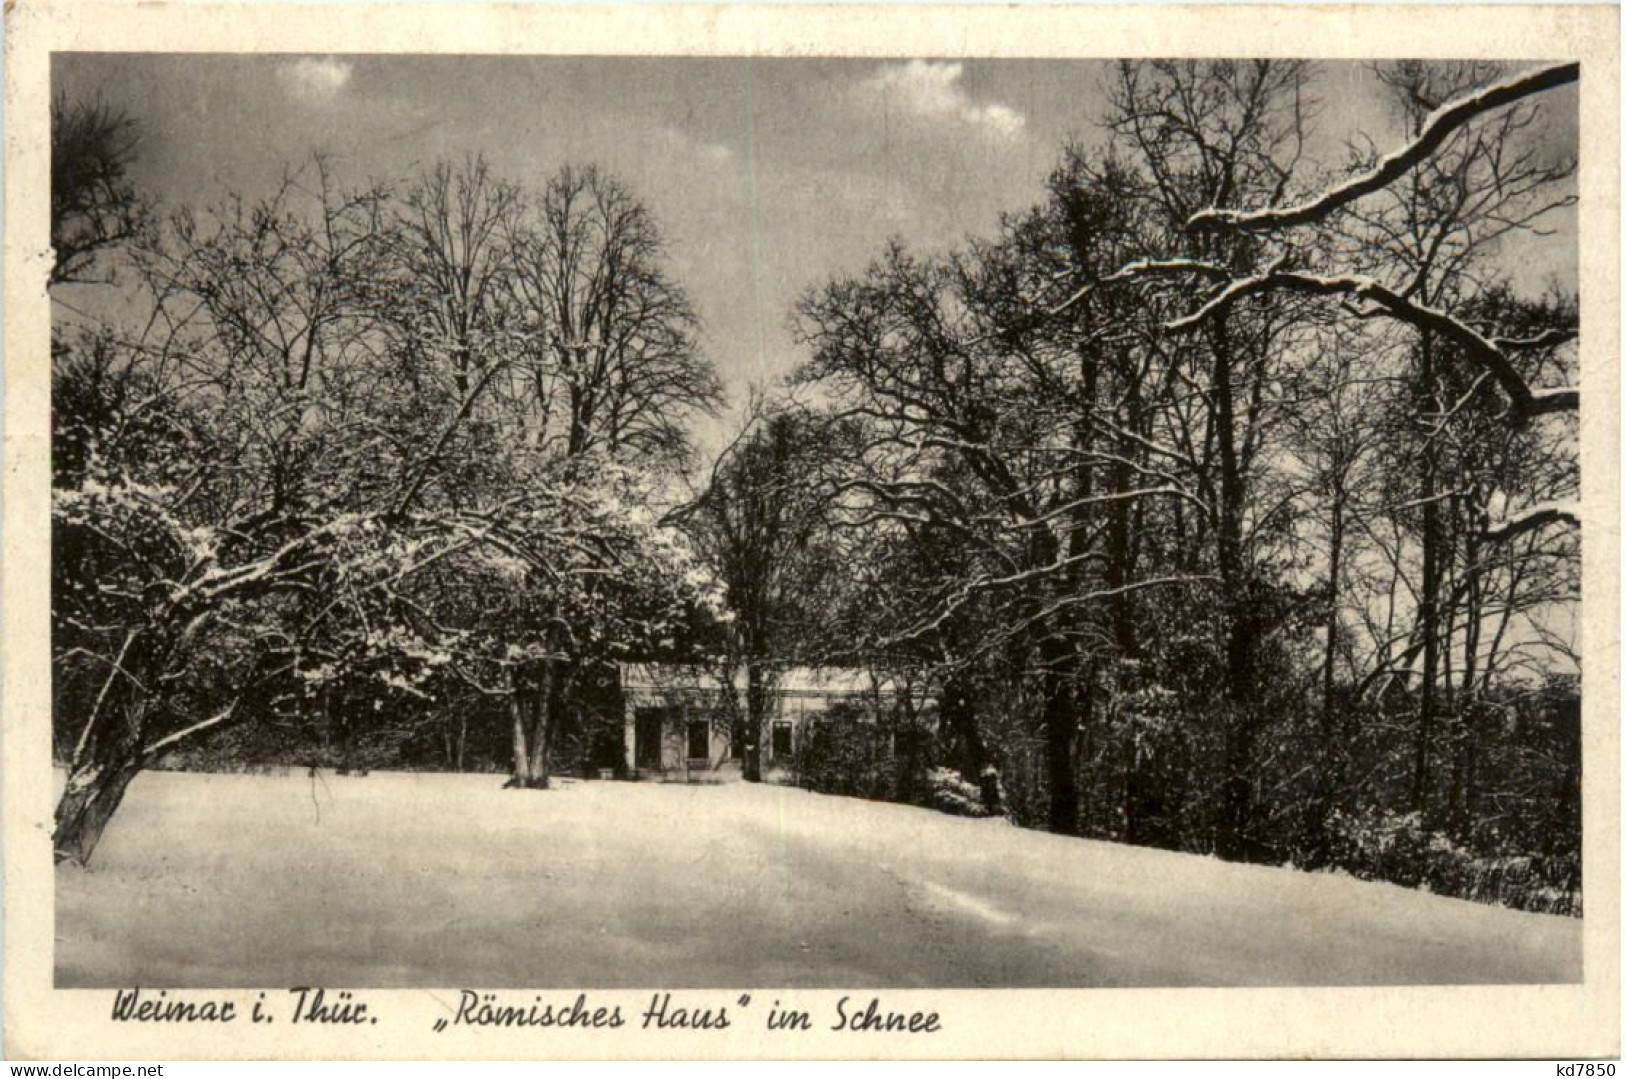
{"x": 700, "y": 532}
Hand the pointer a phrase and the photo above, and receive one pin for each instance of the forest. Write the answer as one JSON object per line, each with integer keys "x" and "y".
{"x": 1225, "y": 500}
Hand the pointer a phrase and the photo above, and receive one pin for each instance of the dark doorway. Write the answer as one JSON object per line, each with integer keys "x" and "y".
{"x": 699, "y": 739}
{"x": 608, "y": 742}
{"x": 650, "y": 725}
{"x": 781, "y": 740}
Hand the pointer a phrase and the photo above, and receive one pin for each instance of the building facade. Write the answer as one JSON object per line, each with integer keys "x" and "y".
{"x": 679, "y": 720}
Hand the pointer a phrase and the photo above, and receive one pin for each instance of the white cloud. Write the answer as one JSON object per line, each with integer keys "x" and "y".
{"x": 932, "y": 89}
{"x": 681, "y": 141}
{"x": 315, "y": 79}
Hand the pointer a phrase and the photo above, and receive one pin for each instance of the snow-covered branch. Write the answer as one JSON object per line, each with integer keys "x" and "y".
{"x": 1535, "y": 517}
{"x": 1143, "y": 268}
{"x": 1438, "y": 126}
{"x": 168, "y": 741}
{"x": 1547, "y": 339}
{"x": 1526, "y": 402}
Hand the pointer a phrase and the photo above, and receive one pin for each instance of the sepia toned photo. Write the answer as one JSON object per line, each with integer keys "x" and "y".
{"x": 592, "y": 530}
{"x": 811, "y": 523}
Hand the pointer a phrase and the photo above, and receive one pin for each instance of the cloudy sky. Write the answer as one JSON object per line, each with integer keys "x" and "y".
{"x": 768, "y": 175}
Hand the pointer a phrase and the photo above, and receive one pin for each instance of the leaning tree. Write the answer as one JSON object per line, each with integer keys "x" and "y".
{"x": 271, "y": 479}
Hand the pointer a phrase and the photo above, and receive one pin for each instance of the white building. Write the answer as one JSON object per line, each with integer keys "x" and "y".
{"x": 678, "y": 719}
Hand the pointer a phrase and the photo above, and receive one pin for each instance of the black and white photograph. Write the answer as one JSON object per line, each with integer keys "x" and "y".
{"x": 581, "y": 523}
{"x": 539, "y": 521}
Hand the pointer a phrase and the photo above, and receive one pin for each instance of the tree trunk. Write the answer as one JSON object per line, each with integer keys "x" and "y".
{"x": 1120, "y": 549}
{"x": 521, "y": 748}
{"x": 541, "y": 726}
{"x": 755, "y": 706}
{"x": 110, "y": 752}
{"x": 1469, "y": 729}
{"x": 1464, "y": 771}
{"x": 1119, "y": 571}
{"x": 1131, "y": 787}
{"x": 1060, "y": 734}
{"x": 1329, "y": 777}
{"x": 1427, "y": 612}
{"x": 93, "y": 793}
{"x": 346, "y": 754}
{"x": 1235, "y": 839}
{"x": 1328, "y": 669}
{"x": 966, "y": 751}
{"x": 529, "y": 713}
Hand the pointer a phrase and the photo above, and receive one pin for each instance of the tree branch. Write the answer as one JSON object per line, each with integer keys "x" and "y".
{"x": 1531, "y": 519}
{"x": 1440, "y": 125}
{"x": 1526, "y": 402}
{"x": 152, "y": 751}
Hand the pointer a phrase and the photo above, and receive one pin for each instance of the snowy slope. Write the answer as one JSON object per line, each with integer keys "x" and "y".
{"x": 436, "y": 880}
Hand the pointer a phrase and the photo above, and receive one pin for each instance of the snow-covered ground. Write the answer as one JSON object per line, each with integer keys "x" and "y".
{"x": 436, "y": 880}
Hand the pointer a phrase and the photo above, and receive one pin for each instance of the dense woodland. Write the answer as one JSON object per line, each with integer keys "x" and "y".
{"x": 1223, "y": 501}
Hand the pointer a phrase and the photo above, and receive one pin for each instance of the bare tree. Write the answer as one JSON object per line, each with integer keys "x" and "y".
{"x": 94, "y": 206}
{"x": 275, "y": 470}
{"x": 1460, "y": 184}
{"x": 453, "y": 266}
{"x": 1218, "y": 133}
{"x": 1468, "y": 186}
{"x": 612, "y": 359}
{"x": 760, "y": 521}
{"x": 999, "y": 445}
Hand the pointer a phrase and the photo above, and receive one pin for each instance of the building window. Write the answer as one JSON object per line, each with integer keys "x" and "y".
{"x": 781, "y": 740}
{"x": 650, "y": 723}
{"x": 699, "y": 739}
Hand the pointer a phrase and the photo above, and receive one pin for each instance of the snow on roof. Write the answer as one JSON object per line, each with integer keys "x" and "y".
{"x": 814, "y": 681}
